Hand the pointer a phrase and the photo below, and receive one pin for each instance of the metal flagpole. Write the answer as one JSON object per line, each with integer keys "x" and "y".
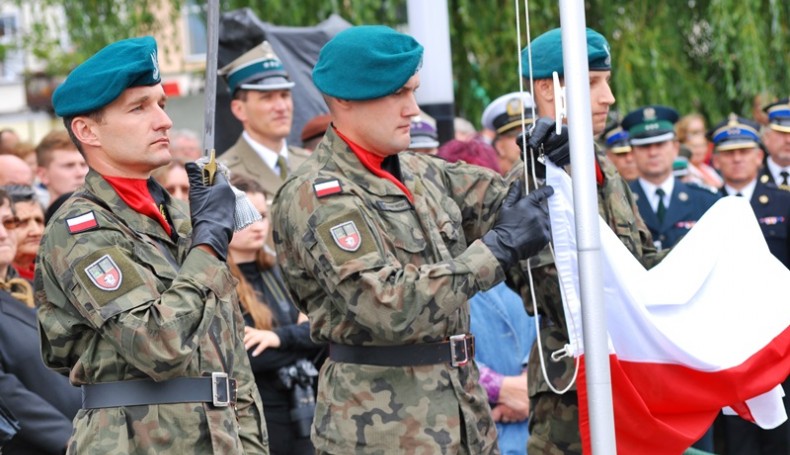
{"x": 210, "y": 90}
{"x": 596, "y": 352}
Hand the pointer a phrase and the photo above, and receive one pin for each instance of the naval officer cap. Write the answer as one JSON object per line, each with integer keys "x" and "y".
{"x": 547, "y": 54}
{"x": 735, "y": 133}
{"x": 651, "y": 124}
{"x": 779, "y": 115}
{"x": 616, "y": 139}
{"x": 366, "y": 62}
{"x": 102, "y": 78}
{"x": 504, "y": 114}
{"x": 257, "y": 69}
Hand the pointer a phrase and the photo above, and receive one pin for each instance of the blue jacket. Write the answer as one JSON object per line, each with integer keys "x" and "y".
{"x": 689, "y": 202}
{"x": 504, "y": 334}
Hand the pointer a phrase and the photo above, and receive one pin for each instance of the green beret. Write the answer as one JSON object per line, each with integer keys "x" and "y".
{"x": 366, "y": 62}
{"x": 547, "y": 54}
{"x": 102, "y": 78}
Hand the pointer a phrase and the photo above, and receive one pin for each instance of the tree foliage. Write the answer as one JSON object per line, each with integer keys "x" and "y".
{"x": 710, "y": 56}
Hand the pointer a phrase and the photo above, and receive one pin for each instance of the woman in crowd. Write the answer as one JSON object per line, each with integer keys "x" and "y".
{"x": 277, "y": 336}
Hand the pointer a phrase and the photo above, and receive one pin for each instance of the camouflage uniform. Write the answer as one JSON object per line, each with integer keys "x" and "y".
{"x": 408, "y": 282}
{"x": 173, "y": 315}
{"x": 554, "y": 419}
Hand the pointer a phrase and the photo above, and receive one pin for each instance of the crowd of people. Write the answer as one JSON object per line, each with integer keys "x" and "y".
{"x": 380, "y": 302}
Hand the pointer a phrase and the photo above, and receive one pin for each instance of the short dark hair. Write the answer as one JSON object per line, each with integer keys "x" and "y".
{"x": 97, "y": 116}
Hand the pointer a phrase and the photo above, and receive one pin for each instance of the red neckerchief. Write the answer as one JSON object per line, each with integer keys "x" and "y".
{"x": 136, "y": 195}
{"x": 598, "y": 174}
{"x": 373, "y": 163}
{"x": 28, "y": 272}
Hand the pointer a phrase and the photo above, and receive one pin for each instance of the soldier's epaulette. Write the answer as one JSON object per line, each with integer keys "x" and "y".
{"x": 326, "y": 188}
{"x": 82, "y": 223}
{"x": 703, "y": 188}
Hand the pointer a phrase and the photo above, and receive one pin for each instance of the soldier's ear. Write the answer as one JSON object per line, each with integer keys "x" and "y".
{"x": 237, "y": 107}
{"x": 85, "y": 129}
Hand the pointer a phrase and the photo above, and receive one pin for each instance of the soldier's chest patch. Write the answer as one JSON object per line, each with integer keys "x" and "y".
{"x": 81, "y": 223}
{"x": 105, "y": 273}
{"x": 346, "y": 236}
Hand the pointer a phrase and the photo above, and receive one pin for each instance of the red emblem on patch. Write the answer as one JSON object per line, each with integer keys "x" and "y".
{"x": 347, "y": 236}
{"x": 105, "y": 273}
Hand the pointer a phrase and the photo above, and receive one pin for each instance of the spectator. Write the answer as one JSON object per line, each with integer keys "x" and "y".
{"x": 690, "y": 130}
{"x": 61, "y": 167}
{"x": 185, "y": 145}
{"x": 618, "y": 150}
{"x": 503, "y": 332}
{"x": 27, "y": 152}
{"x": 313, "y": 131}
{"x": 174, "y": 179}
{"x": 42, "y": 400}
{"x": 424, "y": 137}
{"x": 8, "y": 140}
{"x": 30, "y": 228}
{"x": 464, "y": 130}
{"x": 277, "y": 336}
{"x": 14, "y": 171}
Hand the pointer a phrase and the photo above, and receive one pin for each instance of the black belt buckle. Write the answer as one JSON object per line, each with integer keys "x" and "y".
{"x": 220, "y": 389}
{"x": 459, "y": 347}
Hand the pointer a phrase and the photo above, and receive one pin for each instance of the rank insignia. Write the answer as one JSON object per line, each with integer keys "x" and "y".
{"x": 327, "y": 188}
{"x": 346, "y": 236}
{"x": 82, "y": 223}
{"x": 105, "y": 273}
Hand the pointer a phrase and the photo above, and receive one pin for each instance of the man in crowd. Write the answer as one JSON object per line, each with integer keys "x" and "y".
{"x": 617, "y": 145}
{"x": 505, "y": 117}
{"x": 776, "y": 138}
{"x": 61, "y": 167}
{"x": 136, "y": 302}
{"x": 383, "y": 249}
{"x": 668, "y": 206}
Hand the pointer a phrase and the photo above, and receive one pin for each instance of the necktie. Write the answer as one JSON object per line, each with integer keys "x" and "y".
{"x": 784, "y": 175}
{"x": 283, "y": 167}
{"x": 739, "y": 194}
{"x": 661, "y": 211}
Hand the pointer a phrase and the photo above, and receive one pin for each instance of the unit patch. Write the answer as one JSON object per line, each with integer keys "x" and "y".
{"x": 105, "y": 273}
{"x": 346, "y": 236}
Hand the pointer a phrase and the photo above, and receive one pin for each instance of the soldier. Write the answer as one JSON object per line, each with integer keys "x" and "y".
{"x": 738, "y": 156}
{"x": 261, "y": 100}
{"x": 617, "y": 144}
{"x": 504, "y": 117}
{"x": 136, "y": 303}
{"x": 383, "y": 249}
{"x": 554, "y": 417}
{"x": 668, "y": 206}
{"x": 776, "y": 138}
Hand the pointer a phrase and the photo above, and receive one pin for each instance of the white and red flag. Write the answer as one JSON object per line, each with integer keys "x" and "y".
{"x": 708, "y": 328}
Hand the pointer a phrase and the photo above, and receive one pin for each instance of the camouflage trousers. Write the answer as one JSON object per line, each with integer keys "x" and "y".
{"x": 554, "y": 424}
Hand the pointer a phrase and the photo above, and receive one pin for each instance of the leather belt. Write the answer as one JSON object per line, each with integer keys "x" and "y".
{"x": 458, "y": 350}
{"x": 216, "y": 389}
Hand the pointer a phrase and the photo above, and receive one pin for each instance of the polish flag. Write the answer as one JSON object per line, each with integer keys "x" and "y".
{"x": 707, "y": 328}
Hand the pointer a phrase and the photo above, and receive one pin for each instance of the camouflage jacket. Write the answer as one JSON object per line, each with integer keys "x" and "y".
{"x": 404, "y": 277}
{"x": 122, "y": 300}
{"x": 616, "y": 205}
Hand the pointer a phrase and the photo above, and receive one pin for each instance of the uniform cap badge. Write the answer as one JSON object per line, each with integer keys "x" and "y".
{"x": 346, "y": 236}
{"x": 105, "y": 273}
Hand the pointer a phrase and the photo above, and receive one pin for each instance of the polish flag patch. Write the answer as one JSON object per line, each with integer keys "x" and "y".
{"x": 327, "y": 188}
{"x": 82, "y": 223}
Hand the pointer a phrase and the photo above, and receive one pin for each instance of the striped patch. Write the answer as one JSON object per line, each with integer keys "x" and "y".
{"x": 82, "y": 223}
{"x": 327, "y": 188}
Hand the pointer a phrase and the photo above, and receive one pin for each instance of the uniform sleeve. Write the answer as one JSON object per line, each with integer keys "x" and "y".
{"x": 94, "y": 279}
{"x": 369, "y": 285}
{"x": 249, "y": 408}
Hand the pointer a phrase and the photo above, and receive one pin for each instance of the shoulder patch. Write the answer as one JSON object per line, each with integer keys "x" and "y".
{"x": 81, "y": 223}
{"x": 346, "y": 236}
{"x": 327, "y": 188}
{"x": 105, "y": 273}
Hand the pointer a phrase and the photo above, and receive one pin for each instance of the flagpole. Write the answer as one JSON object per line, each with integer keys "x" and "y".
{"x": 596, "y": 351}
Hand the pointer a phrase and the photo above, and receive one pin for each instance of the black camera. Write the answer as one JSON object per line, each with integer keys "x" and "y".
{"x": 299, "y": 379}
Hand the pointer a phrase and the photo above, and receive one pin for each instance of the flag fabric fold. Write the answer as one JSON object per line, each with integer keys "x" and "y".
{"x": 705, "y": 329}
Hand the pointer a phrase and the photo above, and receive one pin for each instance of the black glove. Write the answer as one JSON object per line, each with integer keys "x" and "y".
{"x": 212, "y": 210}
{"x": 544, "y": 136}
{"x": 522, "y": 227}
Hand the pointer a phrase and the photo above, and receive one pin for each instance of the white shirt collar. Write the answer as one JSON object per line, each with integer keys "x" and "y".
{"x": 267, "y": 155}
{"x": 746, "y": 191}
{"x": 775, "y": 169}
{"x": 650, "y": 191}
